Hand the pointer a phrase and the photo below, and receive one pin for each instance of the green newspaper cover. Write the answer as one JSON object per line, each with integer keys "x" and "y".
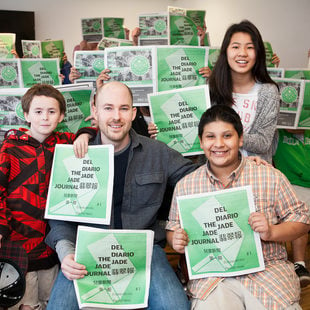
{"x": 10, "y": 73}
{"x": 183, "y": 31}
{"x": 11, "y": 112}
{"x": 31, "y": 49}
{"x": 297, "y": 73}
{"x": 177, "y": 67}
{"x": 43, "y": 71}
{"x": 78, "y": 103}
{"x": 294, "y": 103}
{"x": 154, "y": 29}
{"x": 118, "y": 263}
{"x": 80, "y": 189}
{"x": 7, "y": 43}
{"x": 221, "y": 242}
{"x": 269, "y": 54}
{"x": 176, "y": 114}
{"x": 113, "y": 27}
{"x": 89, "y": 64}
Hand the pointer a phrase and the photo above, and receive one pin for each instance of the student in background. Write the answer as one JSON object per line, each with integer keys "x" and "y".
{"x": 240, "y": 79}
{"x": 292, "y": 158}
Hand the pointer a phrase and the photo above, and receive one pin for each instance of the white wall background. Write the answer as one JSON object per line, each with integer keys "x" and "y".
{"x": 284, "y": 23}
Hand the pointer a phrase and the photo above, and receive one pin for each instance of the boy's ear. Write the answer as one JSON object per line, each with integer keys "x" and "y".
{"x": 241, "y": 141}
{"x": 61, "y": 117}
{"x": 26, "y": 117}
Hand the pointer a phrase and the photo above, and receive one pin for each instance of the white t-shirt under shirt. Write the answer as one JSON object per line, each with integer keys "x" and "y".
{"x": 245, "y": 106}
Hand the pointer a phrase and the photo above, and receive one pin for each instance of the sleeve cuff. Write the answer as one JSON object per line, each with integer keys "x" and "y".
{"x": 64, "y": 248}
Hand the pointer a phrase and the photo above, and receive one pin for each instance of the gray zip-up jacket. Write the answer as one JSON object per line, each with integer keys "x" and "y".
{"x": 152, "y": 165}
{"x": 262, "y": 139}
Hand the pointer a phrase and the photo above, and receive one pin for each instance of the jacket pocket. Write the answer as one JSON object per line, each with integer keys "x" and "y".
{"x": 149, "y": 188}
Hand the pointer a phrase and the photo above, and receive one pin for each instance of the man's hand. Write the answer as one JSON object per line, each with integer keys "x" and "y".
{"x": 71, "y": 269}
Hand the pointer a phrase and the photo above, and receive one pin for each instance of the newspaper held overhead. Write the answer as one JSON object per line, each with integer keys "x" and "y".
{"x": 176, "y": 114}
{"x": 294, "y": 103}
{"x": 7, "y": 43}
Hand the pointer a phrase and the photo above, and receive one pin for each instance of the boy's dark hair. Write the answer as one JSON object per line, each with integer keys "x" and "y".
{"x": 223, "y": 113}
{"x": 43, "y": 90}
{"x": 221, "y": 87}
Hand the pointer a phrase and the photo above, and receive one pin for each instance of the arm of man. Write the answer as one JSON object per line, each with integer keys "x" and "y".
{"x": 178, "y": 167}
{"x": 61, "y": 238}
{"x": 71, "y": 269}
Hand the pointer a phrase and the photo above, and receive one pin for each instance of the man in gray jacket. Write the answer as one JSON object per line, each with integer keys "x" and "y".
{"x": 143, "y": 168}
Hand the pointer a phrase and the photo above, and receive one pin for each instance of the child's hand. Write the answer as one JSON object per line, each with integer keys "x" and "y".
{"x": 180, "y": 240}
{"x": 259, "y": 223}
{"x": 275, "y": 60}
{"x": 259, "y": 161}
{"x": 62, "y": 77}
{"x": 64, "y": 57}
{"x": 135, "y": 36}
{"x": 74, "y": 74}
{"x": 80, "y": 145}
{"x": 152, "y": 130}
{"x": 102, "y": 77}
{"x": 205, "y": 72}
{"x": 13, "y": 52}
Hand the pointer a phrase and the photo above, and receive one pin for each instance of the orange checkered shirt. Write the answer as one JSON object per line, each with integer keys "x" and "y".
{"x": 277, "y": 286}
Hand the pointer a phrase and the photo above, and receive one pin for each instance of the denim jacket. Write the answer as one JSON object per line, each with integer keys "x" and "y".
{"x": 152, "y": 165}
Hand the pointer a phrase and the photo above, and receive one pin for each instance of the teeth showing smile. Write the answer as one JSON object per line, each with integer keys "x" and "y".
{"x": 219, "y": 152}
{"x": 242, "y": 62}
{"x": 116, "y": 126}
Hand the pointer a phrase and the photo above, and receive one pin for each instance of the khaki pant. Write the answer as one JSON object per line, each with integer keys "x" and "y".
{"x": 231, "y": 294}
{"x": 38, "y": 288}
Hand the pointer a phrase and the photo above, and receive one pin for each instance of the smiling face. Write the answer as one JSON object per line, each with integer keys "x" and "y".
{"x": 114, "y": 113}
{"x": 43, "y": 115}
{"x": 220, "y": 143}
{"x": 241, "y": 55}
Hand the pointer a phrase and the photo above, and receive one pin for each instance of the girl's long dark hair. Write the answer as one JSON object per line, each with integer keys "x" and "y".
{"x": 221, "y": 87}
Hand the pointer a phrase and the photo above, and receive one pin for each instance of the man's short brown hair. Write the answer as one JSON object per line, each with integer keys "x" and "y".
{"x": 43, "y": 90}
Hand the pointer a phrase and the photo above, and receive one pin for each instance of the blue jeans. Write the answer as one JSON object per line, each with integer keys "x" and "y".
{"x": 166, "y": 291}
